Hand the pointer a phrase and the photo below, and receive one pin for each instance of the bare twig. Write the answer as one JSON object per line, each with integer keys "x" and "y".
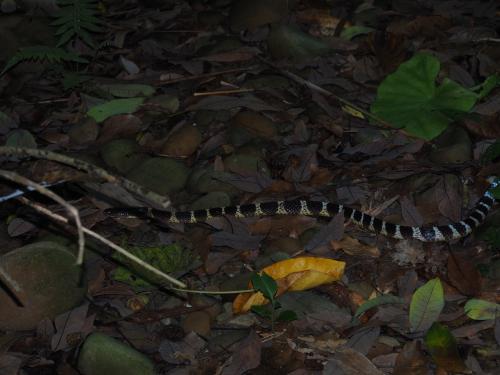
{"x": 91, "y": 169}
{"x": 215, "y": 292}
{"x": 203, "y": 76}
{"x": 327, "y": 93}
{"x": 12, "y": 283}
{"x": 43, "y": 210}
{"x": 222, "y": 92}
{"x": 12, "y": 176}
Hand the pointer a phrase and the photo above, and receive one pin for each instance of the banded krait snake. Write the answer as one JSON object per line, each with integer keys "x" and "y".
{"x": 324, "y": 209}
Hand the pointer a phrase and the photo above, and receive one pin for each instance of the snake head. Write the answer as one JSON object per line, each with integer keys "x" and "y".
{"x": 494, "y": 181}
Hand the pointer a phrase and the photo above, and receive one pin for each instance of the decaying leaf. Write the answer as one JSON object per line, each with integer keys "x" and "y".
{"x": 443, "y": 348}
{"x": 293, "y": 275}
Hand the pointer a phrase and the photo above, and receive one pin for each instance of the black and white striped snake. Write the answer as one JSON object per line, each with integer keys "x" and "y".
{"x": 323, "y": 209}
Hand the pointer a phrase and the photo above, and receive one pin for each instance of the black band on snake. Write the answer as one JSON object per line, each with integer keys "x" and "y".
{"x": 323, "y": 209}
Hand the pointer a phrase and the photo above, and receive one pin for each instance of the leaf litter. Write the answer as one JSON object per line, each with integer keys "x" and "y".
{"x": 198, "y": 101}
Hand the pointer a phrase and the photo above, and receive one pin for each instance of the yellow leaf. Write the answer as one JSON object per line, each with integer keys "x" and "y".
{"x": 293, "y": 275}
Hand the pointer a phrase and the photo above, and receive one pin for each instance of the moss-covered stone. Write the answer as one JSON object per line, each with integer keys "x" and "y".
{"x": 206, "y": 180}
{"x": 183, "y": 142}
{"x": 104, "y": 355}
{"x": 122, "y": 154}
{"x": 212, "y": 199}
{"x": 246, "y": 164}
{"x": 161, "y": 175}
{"x": 47, "y": 280}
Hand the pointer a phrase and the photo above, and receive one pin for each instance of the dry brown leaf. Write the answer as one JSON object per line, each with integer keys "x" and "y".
{"x": 183, "y": 142}
{"x": 352, "y": 246}
{"x": 463, "y": 274}
{"x": 284, "y": 226}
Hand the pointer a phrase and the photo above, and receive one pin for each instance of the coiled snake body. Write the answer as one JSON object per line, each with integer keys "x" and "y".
{"x": 324, "y": 209}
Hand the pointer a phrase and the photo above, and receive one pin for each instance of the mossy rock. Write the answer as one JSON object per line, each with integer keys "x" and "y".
{"x": 250, "y": 15}
{"x": 49, "y": 284}
{"x": 206, "y": 180}
{"x": 255, "y": 123}
{"x": 164, "y": 102}
{"x": 183, "y": 142}
{"x": 246, "y": 164}
{"x": 212, "y": 199}
{"x": 84, "y": 132}
{"x": 161, "y": 175}
{"x": 290, "y": 42}
{"x": 122, "y": 154}
{"x": 103, "y": 355}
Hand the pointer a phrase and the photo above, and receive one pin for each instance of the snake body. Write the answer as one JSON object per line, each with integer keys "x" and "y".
{"x": 439, "y": 233}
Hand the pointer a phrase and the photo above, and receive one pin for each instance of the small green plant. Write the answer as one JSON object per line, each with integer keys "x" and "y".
{"x": 42, "y": 53}
{"x": 168, "y": 259}
{"x": 77, "y": 19}
{"x": 443, "y": 348}
{"x": 267, "y": 286}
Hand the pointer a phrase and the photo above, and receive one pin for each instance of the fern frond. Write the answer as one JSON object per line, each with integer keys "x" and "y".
{"x": 77, "y": 18}
{"x": 42, "y": 53}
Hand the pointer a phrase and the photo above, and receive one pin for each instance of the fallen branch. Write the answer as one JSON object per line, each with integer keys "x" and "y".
{"x": 43, "y": 210}
{"x": 91, "y": 169}
{"x": 72, "y": 210}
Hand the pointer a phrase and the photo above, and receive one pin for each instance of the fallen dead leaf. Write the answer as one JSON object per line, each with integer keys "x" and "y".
{"x": 353, "y": 247}
{"x": 295, "y": 274}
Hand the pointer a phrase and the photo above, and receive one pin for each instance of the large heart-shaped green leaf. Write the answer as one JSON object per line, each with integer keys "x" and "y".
{"x": 410, "y": 99}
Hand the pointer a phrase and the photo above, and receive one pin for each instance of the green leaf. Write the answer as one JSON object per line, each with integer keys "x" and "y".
{"x": 265, "y": 284}
{"x": 114, "y": 107}
{"x": 496, "y": 192}
{"x": 287, "y": 316}
{"x": 377, "y": 301}
{"x": 42, "y": 53}
{"x": 491, "y": 233}
{"x": 479, "y": 309}
{"x": 262, "y": 311}
{"x": 488, "y": 85}
{"x": 6, "y": 123}
{"x": 409, "y": 98}
{"x": 77, "y": 18}
{"x": 132, "y": 90}
{"x": 20, "y": 138}
{"x": 168, "y": 259}
{"x": 491, "y": 153}
{"x": 426, "y": 305}
{"x": 290, "y": 42}
{"x": 443, "y": 348}
{"x": 72, "y": 80}
{"x": 353, "y": 31}
{"x": 124, "y": 275}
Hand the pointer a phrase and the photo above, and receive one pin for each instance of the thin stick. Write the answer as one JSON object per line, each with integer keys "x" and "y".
{"x": 72, "y": 211}
{"x": 327, "y": 93}
{"x": 216, "y": 292}
{"x": 203, "y": 76}
{"x": 118, "y": 249}
{"x": 13, "y": 285}
{"x": 91, "y": 169}
{"x": 222, "y": 92}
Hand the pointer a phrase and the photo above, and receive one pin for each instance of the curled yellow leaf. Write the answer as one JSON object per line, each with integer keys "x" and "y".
{"x": 293, "y": 275}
